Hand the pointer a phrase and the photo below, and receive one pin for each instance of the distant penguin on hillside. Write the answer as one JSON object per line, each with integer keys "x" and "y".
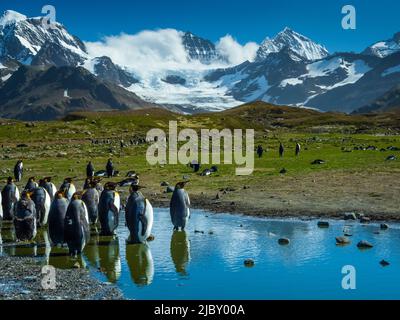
{"x": 138, "y": 216}
{"x": 42, "y": 201}
{"x": 298, "y": 149}
{"x": 25, "y": 218}
{"x": 31, "y": 184}
{"x": 58, "y": 211}
{"x": 260, "y": 151}
{"x": 110, "y": 168}
{"x": 49, "y": 186}
{"x": 10, "y": 196}
{"x": 18, "y": 171}
{"x": 90, "y": 170}
{"x": 68, "y": 188}
{"x": 109, "y": 207}
{"x": 180, "y": 206}
{"x": 91, "y": 198}
{"x": 76, "y": 226}
{"x": 281, "y": 150}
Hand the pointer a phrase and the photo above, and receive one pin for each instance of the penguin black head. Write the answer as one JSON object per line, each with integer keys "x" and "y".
{"x": 110, "y": 186}
{"x": 47, "y": 179}
{"x": 181, "y": 185}
{"x": 10, "y": 180}
{"x": 77, "y": 196}
{"x": 31, "y": 179}
{"x": 68, "y": 180}
{"x": 135, "y": 188}
{"x": 59, "y": 195}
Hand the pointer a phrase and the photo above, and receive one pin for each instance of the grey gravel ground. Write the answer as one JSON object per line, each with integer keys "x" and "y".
{"x": 21, "y": 279}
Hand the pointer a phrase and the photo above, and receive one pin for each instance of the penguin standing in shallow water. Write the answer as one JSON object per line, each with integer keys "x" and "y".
{"x": 76, "y": 226}
{"x": 109, "y": 207}
{"x": 10, "y": 196}
{"x": 18, "y": 171}
{"x": 25, "y": 218}
{"x": 180, "y": 207}
{"x": 42, "y": 201}
{"x": 91, "y": 198}
{"x": 57, "y": 214}
{"x": 68, "y": 188}
{"x": 138, "y": 216}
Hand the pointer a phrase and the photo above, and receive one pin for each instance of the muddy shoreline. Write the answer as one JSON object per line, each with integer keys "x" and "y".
{"x": 21, "y": 279}
{"x": 203, "y": 202}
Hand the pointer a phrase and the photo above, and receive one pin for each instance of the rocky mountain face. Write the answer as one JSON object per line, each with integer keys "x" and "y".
{"x": 199, "y": 49}
{"x": 389, "y": 102}
{"x": 384, "y": 48}
{"x": 302, "y": 47}
{"x": 22, "y": 38}
{"x": 47, "y": 93}
{"x": 105, "y": 69}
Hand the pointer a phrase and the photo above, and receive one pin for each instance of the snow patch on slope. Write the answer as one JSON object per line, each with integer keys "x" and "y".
{"x": 391, "y": 71}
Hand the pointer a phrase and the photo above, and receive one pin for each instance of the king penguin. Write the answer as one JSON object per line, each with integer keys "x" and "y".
{"x": 68, "y": 188}
{"x": 57, "y": 213}
{"x": 18, "y": 171}
{"x": 138, "y": 216}
{"x": 25, "y": 218}
{"x": 180, "y": 206}
{"x": 76, "y": 226}
{"x": 109, "y": 207}
{"x": 91, "y": 198}
{"x": 42, "y": 201}
{"x": 10, "y": 196}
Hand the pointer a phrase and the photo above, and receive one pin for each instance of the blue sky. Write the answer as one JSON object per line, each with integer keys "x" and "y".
{"x": 246, "y": 20}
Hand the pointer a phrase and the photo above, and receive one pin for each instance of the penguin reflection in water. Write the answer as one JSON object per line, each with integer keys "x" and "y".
{"x": 109, "y": 207}
{"x": 10, "y": 196}
{"x": 58, "y": 210}
{"x": 180, "y": 251}
{"x": 140, "y": 263}
{"x": 180, "y": 207}
{"x": 77, "y": 229}
{"x": 25, "y": 218}
{"x": 138, "y": 216}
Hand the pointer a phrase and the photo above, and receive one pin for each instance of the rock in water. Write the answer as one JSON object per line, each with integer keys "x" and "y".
{"x": 365, "y": 220}
{"x": 364, "y": 245}
{"x": 323, "y": 224}
{"x": 342, "y": 241}
{"x": 284, "y": 241}
{"x": 384, "y": 263}
{"x": 249, "y": 263}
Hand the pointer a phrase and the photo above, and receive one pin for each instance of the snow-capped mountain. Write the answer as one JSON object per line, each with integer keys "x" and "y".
{"x": 385, "y": 48}
{"x": 303, "y": 47}
{"x": 190, "y": 73}
{"x": 199, "y": 49}
{"x": 22, "y": 38}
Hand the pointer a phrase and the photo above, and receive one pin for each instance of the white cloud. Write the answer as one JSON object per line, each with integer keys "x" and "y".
{"x": 235, "y": 52}
{"x": 149, "y": 52}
